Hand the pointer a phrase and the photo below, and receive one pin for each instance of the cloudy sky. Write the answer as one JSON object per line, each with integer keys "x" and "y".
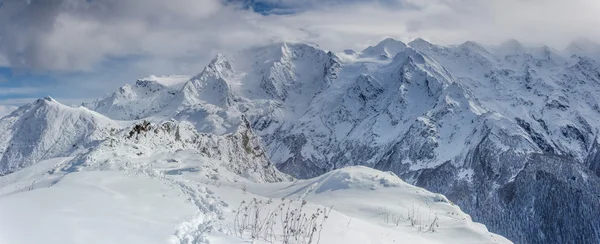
{"x": 77, "y": 50}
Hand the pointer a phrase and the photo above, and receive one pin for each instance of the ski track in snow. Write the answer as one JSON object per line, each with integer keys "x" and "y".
{"x": 208, "y": 207}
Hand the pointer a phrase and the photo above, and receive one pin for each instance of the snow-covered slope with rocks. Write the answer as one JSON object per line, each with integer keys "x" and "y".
{"x": 131, "y": 149}
{"x": 507, "y": 132}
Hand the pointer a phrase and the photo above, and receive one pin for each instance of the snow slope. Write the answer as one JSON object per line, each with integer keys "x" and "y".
{"x": 46, "y": 129}
{"x": 384, "y": 197}
{"x": 94, "y": 207}
{"x": 155, "y": 206}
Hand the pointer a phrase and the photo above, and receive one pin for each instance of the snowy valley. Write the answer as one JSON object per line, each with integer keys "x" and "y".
{"x": 507, "y": 133}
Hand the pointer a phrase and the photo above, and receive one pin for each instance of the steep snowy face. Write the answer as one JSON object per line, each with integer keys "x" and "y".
{"x": 46, "y": 129}
{"x": 210, "y": 86}
{"x": 290, "y": 74}
{"x": 534, "y": 86}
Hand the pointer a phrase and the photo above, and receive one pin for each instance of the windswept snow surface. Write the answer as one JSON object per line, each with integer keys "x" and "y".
{"x": 94, "y": 207}
{"x": 155, "y": 205}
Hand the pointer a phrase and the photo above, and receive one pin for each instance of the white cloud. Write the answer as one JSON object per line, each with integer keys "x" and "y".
{"x": 6, "y": 110}
{"x": 181, "y": 35}
{"x": 553, "y": 22}
{"x": 4, "y": 91}
{"x": 3, "y": 61}
{"x": 11, "y": 102}
{"x": 75, "y": 35}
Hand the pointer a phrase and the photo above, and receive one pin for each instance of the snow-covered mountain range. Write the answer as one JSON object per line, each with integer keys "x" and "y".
{"x": 509, "y": 132}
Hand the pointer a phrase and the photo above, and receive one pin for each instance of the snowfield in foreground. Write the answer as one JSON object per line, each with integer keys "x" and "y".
{"x": 151, "y": 204}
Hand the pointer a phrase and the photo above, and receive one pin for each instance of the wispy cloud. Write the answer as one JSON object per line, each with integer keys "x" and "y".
{"x": 77, "y": 34}
{"x": 4, "y": 91}
{"x": 17, "y": 101}
{"x": 6, "y": 109}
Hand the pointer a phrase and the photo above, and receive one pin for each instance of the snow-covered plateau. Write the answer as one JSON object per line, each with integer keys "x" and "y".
{"x": 507, "y": 133}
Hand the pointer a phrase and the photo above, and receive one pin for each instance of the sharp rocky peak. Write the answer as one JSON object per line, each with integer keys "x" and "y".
{"x": 46, "y": 100}
{"x": 150, "y": 85}
{"x": 390, "y": 43}
{"x": 473, "y": 46}
{"x": 218, "y": 66}
{"x": 419, "y": 43}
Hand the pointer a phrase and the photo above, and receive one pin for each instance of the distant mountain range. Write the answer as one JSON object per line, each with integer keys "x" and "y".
{"x": 507, "y": 132}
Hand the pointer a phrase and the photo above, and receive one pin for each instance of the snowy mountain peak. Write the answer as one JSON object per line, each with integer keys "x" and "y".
{"x": 385, "y": 49}
{"x": 293, "y": 70}
{"x": 473, "y": 46}
{"x": 420, "y": 43}
{"x": 47, "y": 129}
{"x": 548, "y": 55}
{"x": 414, "y": 66}
{"x": 584, "y": 47}
{"x": 219, "y": 66}
{"x": 49, "y": 99}
{"x": 150, "y": 85}
{"x": 511, "y": 46}
{"x": 146, "y": 97}
{"x": 208, "y": 87}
